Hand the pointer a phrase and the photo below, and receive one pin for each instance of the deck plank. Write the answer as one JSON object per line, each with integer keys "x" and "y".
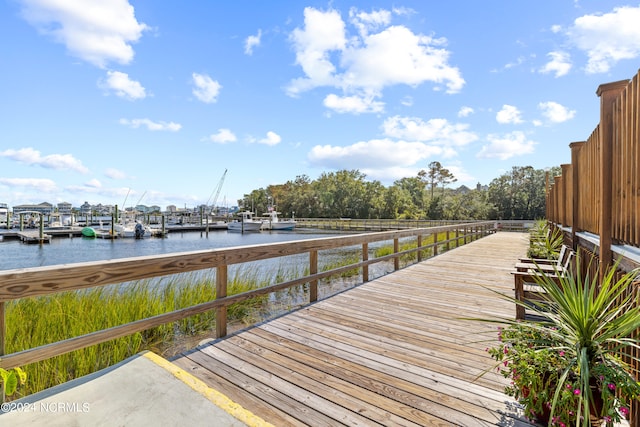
{"x": 396, "y": 351}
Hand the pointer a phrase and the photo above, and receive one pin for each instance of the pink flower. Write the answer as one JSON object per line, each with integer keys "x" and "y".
{"x": 561, "y": 353}
{"x": 576, "y": 391}
{"x": 624, "y": 411}
{"x": 612, "y": 387}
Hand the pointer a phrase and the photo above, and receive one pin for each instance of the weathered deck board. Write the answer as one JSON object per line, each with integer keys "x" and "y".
{"x": 394, "y": 351}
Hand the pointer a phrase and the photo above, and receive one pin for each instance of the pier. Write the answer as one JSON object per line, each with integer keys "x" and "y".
{"x": 393, "y": 351}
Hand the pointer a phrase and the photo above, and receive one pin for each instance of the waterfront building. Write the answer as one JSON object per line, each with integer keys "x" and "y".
{"x": 64, "y": 208}
{"x": 43, "y": 208}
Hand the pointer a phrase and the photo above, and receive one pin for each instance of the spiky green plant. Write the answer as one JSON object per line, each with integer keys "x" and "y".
{"x": 588, "y": 331}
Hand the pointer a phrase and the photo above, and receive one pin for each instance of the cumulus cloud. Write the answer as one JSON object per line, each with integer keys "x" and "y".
{"x": 41, "y": 184}
{"x": 353, "y": 104}
{"x": 607, "y": 38}
{"x": 93, "y": 183}
{"x": 151, "y": 125}
{"x": 506, "y": 146}
{"x": 555, "y": 112}
{"x": 363, "y": 64}
{"x": 123, "y": 86}
{"x": 223, "y": 136}
{"x": 509, "y": 114}
{"x": 206, "y": 89}
{"x": 272, "y": 138}
{"x": 98, "y": 32}
{"x": 32, "y": 157}
{"x": 434, "y": 131}
{"x": 465, "y": 111}
{"x": 251, "y": 42}
{"x": 559, "y": 64}
{"x": 113, "y": 173}
{"x": 379, "y": 153}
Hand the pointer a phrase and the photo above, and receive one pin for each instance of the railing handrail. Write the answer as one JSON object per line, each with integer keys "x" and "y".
{"x": 30, "y": 282}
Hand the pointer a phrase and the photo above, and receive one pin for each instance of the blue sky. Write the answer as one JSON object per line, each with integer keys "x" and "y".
{"x": 154, "y": 100}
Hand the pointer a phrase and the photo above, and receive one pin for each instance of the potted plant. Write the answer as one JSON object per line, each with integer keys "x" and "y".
{"x": 569, "y": 369}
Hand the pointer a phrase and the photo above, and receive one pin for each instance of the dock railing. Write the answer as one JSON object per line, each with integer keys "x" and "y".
{"x": 596, "y": 199}
{"x": 33, "y": 282}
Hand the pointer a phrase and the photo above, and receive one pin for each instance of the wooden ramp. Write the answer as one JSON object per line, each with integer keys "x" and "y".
{"x": 393, "y": 351}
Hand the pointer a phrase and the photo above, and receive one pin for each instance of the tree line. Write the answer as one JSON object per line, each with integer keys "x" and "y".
{"x": 517, "y": 194}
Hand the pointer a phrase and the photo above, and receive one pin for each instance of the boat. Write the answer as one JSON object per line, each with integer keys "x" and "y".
{"x": 272, "y": 222}
{"x": 246, "y": 223}
{"x": 89, "y": 232}
{"x": 132, "y": 230}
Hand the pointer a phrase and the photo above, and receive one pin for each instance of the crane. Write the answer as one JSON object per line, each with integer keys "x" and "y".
{"x": 216, "y": 191}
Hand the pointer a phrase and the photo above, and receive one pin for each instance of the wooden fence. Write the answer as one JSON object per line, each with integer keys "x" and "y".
{"x": 597, "y": 197}
{"x": 32, "y": 282}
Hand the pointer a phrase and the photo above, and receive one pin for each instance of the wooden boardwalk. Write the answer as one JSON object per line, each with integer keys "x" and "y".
{"x": 393, "y": 351}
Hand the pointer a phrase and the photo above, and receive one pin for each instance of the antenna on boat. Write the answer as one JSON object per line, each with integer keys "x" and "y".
{"x": 124, "y": 204}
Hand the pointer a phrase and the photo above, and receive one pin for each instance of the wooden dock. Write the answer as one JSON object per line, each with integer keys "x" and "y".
{"x": 394, "y": 351}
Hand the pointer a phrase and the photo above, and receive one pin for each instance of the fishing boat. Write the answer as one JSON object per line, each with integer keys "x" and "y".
{"x": 272, "y": 222}
{"x": 132, "y": 230}
{"x": 246, "y": 223}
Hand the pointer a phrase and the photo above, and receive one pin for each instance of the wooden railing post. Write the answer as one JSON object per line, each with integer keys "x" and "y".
{"x": 365, "y": 257}
{"x": 3, "y": 328}
{"x": 447, "y": 247}
{"x": 396, "y": 249}
{"x": 221, "y": 292}
{"x": 608, "y": 94}
{"x": 435, "y": 243}
{"x": 575, "y": 202}
{"x": 419, "y": 243}
{"x": 313, "y": 269}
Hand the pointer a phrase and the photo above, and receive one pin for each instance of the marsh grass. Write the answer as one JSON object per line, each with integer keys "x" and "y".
{"x": 33, "y": 322}
{"x": 412, "y": 244}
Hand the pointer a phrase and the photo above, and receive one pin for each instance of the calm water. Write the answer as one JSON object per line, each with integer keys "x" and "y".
{"x": 64, "y": 250}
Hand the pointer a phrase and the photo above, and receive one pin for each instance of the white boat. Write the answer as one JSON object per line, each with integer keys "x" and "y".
{"x": 275, "y": 223}
{"x": 132, "y": 229}
{"x": 246, "y": 223}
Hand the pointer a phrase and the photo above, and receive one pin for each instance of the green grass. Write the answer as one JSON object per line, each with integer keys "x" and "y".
{"x": 32, "y": 322}
{"x": 412, "y": 244}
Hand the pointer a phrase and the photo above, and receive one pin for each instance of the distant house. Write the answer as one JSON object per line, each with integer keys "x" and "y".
{"x": 64, "y": 208}
{"x": 43, "y": 208}
{"x": 86, "y": 209}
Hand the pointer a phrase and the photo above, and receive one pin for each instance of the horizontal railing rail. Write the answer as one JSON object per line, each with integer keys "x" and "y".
{"x": 38, "y": 281}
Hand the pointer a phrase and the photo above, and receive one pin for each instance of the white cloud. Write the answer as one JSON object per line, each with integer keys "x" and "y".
{"x": 434, "y": 131}
{"x": 465, "y": 111}
{"x": 206, "y": 89}
{"x": 42, "y": 185}
{"x": 222, "y": 137}
{"x": 363, "y": 65}
{"x": 353, "y": 104}
{"x": 504, "y": 147}
{"x": 556, "y": 28}
{"x": 366, "y": 22}
{"x": 32, "y": 157}
{"x": 93, "y": 183}
{"x": 98, "y": 32}
{"x": 151, "y": 125}
{"x": 115, "y": 173}
{"x": 555, "y": 112}
{"x": 123, "y": 86}
{"x": 509, "y": 114}
{"x": 374, "y": 154}
{"x": 607, "y": 38}
{"x": 272, "y": 138}
{"x": 251, "y": 42}
{"x": 560, "y": 64}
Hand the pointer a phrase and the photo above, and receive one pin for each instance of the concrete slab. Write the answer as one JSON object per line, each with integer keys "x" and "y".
{"x": 144, "y": 390}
